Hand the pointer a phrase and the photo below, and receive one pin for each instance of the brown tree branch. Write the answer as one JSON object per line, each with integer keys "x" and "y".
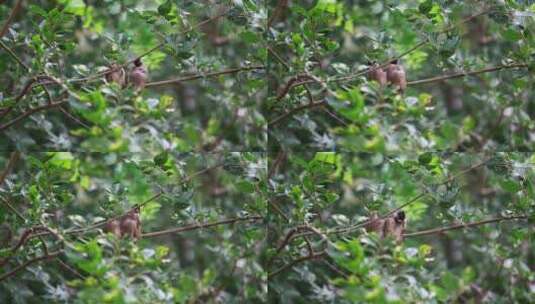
{"x": 201, "y": 226}
{"x": 281, "y": 157}
{"x": 279, "y": 58}
{"x": 464, "y": 74}
{"x": 462, "y": 226}
{"x": 283, "y": 244}
{"x": 73, "y": 118}
{"x": 103, "y": 222}
{"x": 6, "y": 202}
{"x": 279, "y": 9}
{"x": 30, "y": 112}
{"x": 314, "y": 256}
{"x": 23, "y": 92}
{"x": 70, "y": 269}
{"x": 292, "y": 235}
{"x": 300, "y": 80}
{"x": 335, "y": 269}
{"x": 13, "y": 55}
{"x": 26, "y": 235}
{"x": 28, "y": 263}
{"x": 275, "y": 207}
{"x": 200, "y": 76}
{"x": 296, "y": 110}
{"x": 10, "y": 18}
{"x": 379, "y": 66}
{"x": 9, "y": 166}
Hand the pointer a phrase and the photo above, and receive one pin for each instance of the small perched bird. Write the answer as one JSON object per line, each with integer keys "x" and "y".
{"x": 395, "y": 74}
{"x": 377, "y": 74}
{"x": 116, "y": 74}
{"x": 138, "y": 75}
{"x": 390, "y": 226}
{"x": 127, "y": 225}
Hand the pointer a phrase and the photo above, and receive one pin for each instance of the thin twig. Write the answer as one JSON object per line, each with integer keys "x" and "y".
{"x": 30, "y": 112}
{"x": 295, "y": 262}
{"x": 13, "y": 158}
{"x": 201, "y": 226}
{"x": 335, "y": 269}
{"x": 300, "y": 80}
{"x": 27, "y": 87}
{"x": 190, "y": 177}
{"x": 200, "y": 76}
{"x": 6, "y": 202}
{"x": 338, "y": 119}
{"x": 70, "y": 269}
{"x": 281, "y": 156}
{"x": 281, "y": 6}
{"x": 103, "y": 222}
{"x": 462, "y": 226}
{"x": 309, "y": 245}
{"x": 275, "y": 207}
{"x": 493, "y": 128}
{"x": 182, "y": 33}
{"x": 296, "y": 110}
{"x": 13, "y": 55}
{"x": 464, "y": 74}
{"x": 379, "y": 66}
{"x": 14, "y": 12}
{"x": 292, "y": 235}
{"x": 27, "y": 235}
{"x": 73, "y": 118}
{"x": 279, "y": 58}
{"x": 28, "y": 263}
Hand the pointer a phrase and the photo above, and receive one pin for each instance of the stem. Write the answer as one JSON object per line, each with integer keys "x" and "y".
{"x": 199, "y": 76}
{"x": 200, "y": 226}
{"x": 13, "y": 209}
{"x": 23, "y": 92}
{"x": 28, "y": 263}
{"x": 462, "y": 226}
{"x": 10, "y": 52}
{"x": 296, "y": 110}
{"x": 295, "y": 262}
{"x": 30, "y": 112}
{"x": 10, "y": 18}
{"x": 10, "y": 164}
{"x": 464, "y": 74}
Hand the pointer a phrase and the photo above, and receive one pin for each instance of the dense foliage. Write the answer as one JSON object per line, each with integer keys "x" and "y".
{"x": 64, "y": 45}
{"x": 279, "y": 151}
{"x": 320, "y": 50}
{"x": 322, "y": 198}
{"x": 64, "y": 192}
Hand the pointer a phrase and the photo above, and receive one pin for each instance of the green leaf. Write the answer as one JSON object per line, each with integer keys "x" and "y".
{"x": 511, "y": 186}
{"x": 326, "y": 157}
{"x": 245, "y": 186}
{"x": 165, "y": 8}
{"x": 425, "y": 158}
{"x": 449, "y": 282}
